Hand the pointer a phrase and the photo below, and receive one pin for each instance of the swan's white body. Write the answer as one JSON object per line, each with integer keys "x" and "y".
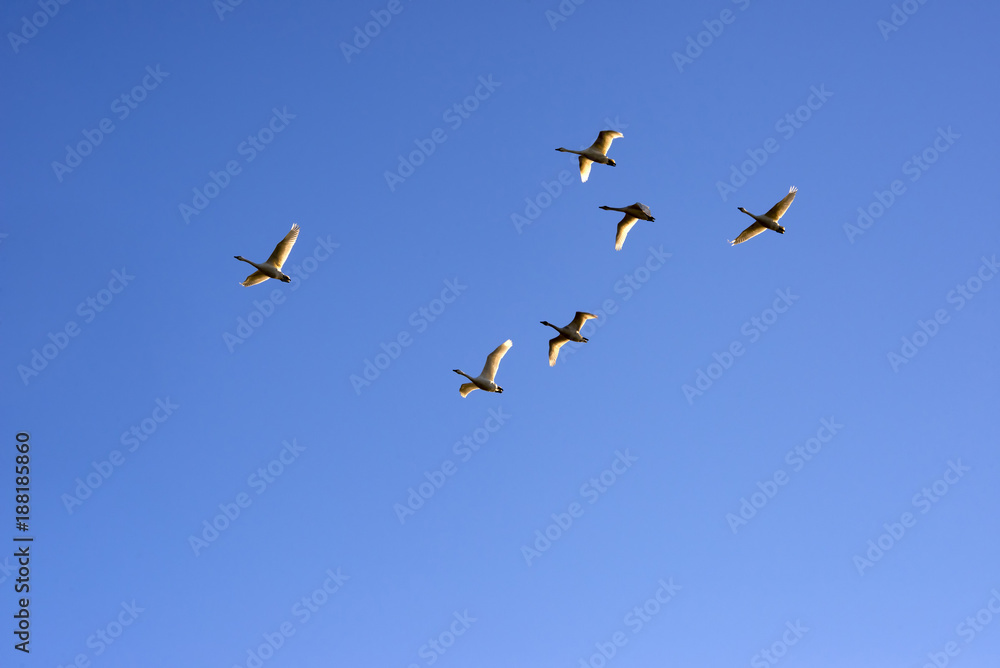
{"x": 485, "y": 380}
{"x": 769, "y": 221}
{"x": 633, "y": 213}
{"x": 596, "y": 152}
{"x": 570, "y": 332}
{"x": 272, "y": 266}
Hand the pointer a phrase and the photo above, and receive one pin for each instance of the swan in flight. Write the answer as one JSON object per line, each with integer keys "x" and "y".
{"x": 272, "y": 267}
{"x": 484, "y": 381}
{"x": 597, "y": 152}
{"x": 570, "y": 332}
{"x": 768, "y": 221}
{"x": 632, "y": 213}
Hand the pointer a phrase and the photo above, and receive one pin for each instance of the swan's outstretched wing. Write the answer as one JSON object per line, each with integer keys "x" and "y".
{"x": 778, "y": 210}
{"x": 581, "y": 318}
{"x": 645, "y": 209}
{"x": 466, "y": 388}
{"x": 493, "y": 361}
{"x": 623, "y": 227}
{"x": 604, "y": 140}
{"x": 282, "y": 250}
{"x": 255, "y": 278}
{"x": 749, "y": 233}
{"x": 585, "y": 165}
{"x": 554, "y": 346}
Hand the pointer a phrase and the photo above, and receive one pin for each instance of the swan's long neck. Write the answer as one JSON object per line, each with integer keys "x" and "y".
{"x": 569, "y": 150}
{"x": 748, "y": 213}
{"x": 546, "y": 322}
{"x": 240, "y": 257}
{"x": 459, "y": 371}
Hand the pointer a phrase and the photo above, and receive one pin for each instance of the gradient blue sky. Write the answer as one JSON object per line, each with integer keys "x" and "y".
{"x": 380, "y": 254}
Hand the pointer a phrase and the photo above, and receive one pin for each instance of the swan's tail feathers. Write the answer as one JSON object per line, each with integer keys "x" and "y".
{"x": 466, "y": 388}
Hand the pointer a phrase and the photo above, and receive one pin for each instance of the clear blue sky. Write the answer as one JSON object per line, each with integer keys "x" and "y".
{"x": 145, "y": 146}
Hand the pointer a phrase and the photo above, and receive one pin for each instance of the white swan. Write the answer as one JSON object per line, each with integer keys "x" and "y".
{"x": 272, "y": 267}
{"x": 570, "y": 332}
{"x": 597, "y": 152}
{"x": 768, "y": 221}
{"x": 484, "y": 381}
{"x": 632, "y": 213}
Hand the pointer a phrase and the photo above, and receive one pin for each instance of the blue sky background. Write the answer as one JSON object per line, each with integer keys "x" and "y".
{"x": 857, "y": 293}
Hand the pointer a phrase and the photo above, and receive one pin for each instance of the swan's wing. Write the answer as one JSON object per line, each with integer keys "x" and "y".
{"x": 282, "y": 250}
{"x": 493, "y": 361}
{"x": 749, "y": 233}
{"x": 645, "y": 209}
{"x": 255, "y": 278}
{"x": 466, "y": 388}
{"x": 778, "y": 210}
{"x": 581, "y": 318}
{"x": 623, "y": 227}
{"x": 604, "y": 140}
{"x": 554, "y": 346}
{"x": 585, "y": 164}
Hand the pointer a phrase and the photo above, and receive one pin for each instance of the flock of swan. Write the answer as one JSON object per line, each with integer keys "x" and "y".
{"x": 596, "y": 152}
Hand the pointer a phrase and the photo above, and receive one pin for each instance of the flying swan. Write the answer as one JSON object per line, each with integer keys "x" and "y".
{"x": 570, "y": 332}
{"x": 597, "y": 152}
{"x": 484, "y": 381}
{"x": 633, "y": 213}
{"x": 272, "y": 267}
{"x": 768, "y": 221}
